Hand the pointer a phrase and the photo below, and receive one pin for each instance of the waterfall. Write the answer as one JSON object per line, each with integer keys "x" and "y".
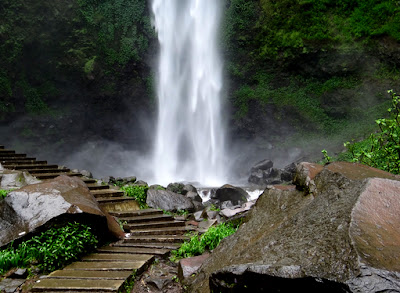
{"x": 190, "y": 137}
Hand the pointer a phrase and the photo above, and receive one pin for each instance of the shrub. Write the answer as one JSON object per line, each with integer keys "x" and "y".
{"x": 381, "y": 149}
{"x": 50, "y": 250}
{"x": 138, "y": 192}
{"x": 208, "y": 241}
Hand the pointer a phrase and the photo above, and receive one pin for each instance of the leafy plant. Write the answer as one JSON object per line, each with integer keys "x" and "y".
{"x": 381, "y": 149}
{"x": 138, "y": 192}
{"x": 50, "y": 250}
{"x": 208, "y": 241}
{"x": 3, "y": 193}
{"x": 214, "y": 208}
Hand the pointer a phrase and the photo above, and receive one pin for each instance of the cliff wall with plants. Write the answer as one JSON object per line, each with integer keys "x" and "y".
{"x": 305, "y": 68}
{"x": 77, "y": 70}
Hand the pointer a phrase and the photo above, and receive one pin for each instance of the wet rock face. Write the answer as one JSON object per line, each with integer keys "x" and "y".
{"x": 28, "y": 208}
{"x": 346, "y": 231}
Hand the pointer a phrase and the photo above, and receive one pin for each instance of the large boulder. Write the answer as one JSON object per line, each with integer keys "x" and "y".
{"x": 27, "y": 209}
{"x": 168, "y": 200}
{"x": 231, "y": 193}
{"x": 342, "y": 237}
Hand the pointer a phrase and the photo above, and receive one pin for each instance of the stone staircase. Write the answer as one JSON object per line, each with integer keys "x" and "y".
{"x": 151, "y": 234}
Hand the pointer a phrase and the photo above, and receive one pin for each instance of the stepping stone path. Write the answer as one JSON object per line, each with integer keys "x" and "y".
{"x": 150, "y": 233}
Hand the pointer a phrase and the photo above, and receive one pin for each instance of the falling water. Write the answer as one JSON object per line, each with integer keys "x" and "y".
{"x": 189, "y": 144}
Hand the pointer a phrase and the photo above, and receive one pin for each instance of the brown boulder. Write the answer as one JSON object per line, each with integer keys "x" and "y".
{"x": 345, "y": 239}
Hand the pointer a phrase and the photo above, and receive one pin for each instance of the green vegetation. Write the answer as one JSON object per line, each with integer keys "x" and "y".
{"x": 121, "y": 28}
{"x": 289, "y": 27}
{"x": 138, "y": 192}
{"x": 208, "y": 241}
{"x": 3, "y": 193}
{"x": 50, "y": 250}
{"x": 382, "y": 148}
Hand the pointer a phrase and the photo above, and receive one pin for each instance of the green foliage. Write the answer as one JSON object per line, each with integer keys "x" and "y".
{"x": 289, "y": 27}
{"x": 3, "y": 193}
{"x": 208, "y": 241}
{"x": 138, "y": 192}
{"x": 327, "y": 158}
{"x": 301, "y": 95}
{"x": 121, "y": 27}
{"x": 50, "y": 250}
{"x": 214, "y": 208}
{"x": 89, "y": 65}
{"x": 381, "y": 149}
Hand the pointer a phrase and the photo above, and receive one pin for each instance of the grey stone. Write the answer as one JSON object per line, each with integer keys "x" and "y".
{"x": 189, "y": 187}
{"x": 26, "y": 209}
{"x": 11, "y": 179}
{"x": 167, "y": 200}
{"x": 86, "y": 173}
{"x": 194, "y": 196}
{"x": 198, "y": 216}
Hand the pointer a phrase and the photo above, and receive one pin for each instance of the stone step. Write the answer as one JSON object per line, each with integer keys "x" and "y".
{"x": 44, "y": 176}
{"x": 105, "y": 265}
{"x": 79, "y": 274}
{"x": 77, "y": 285}
{"x": 113, "y": 199}
{"x": 137, "y": 213}
{"x": 147, "y": 218}
{"x": 155, "y": 239}
{"x": 89, "y": 181}
{"x": 117, "y": 257}
{"x": 133, "y": 250}
{"x": 47, "y": 170}
{"x": 148, "y": 225}
{"x": 162, "y": 231}
{"x": 156, "y": 245}
{"x": 34, "y": 166}
{"x": 6, "y": 152}
{"x": 93, "y": 187}
{"x": 109, "y": 194}
{"x": 5, "y": 157}
{"x": 24, "y": 162}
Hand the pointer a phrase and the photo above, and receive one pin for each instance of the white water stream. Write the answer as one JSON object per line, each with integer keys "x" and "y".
{"x": 190, "y": 138}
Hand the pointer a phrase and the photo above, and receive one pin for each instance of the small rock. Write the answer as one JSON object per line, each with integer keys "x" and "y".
{"x": 20, "y": 274}
{"x": 189, "y": 187}
{"x": 193, "y": 196}
{"x": 86, "y": 173}
{"x": 177, "y": 188}
{"x": 263, "y": 165}
{"x": 198, "y": 216}
{"x": 189, "y": 266}
{"x": 211, "y": 215}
